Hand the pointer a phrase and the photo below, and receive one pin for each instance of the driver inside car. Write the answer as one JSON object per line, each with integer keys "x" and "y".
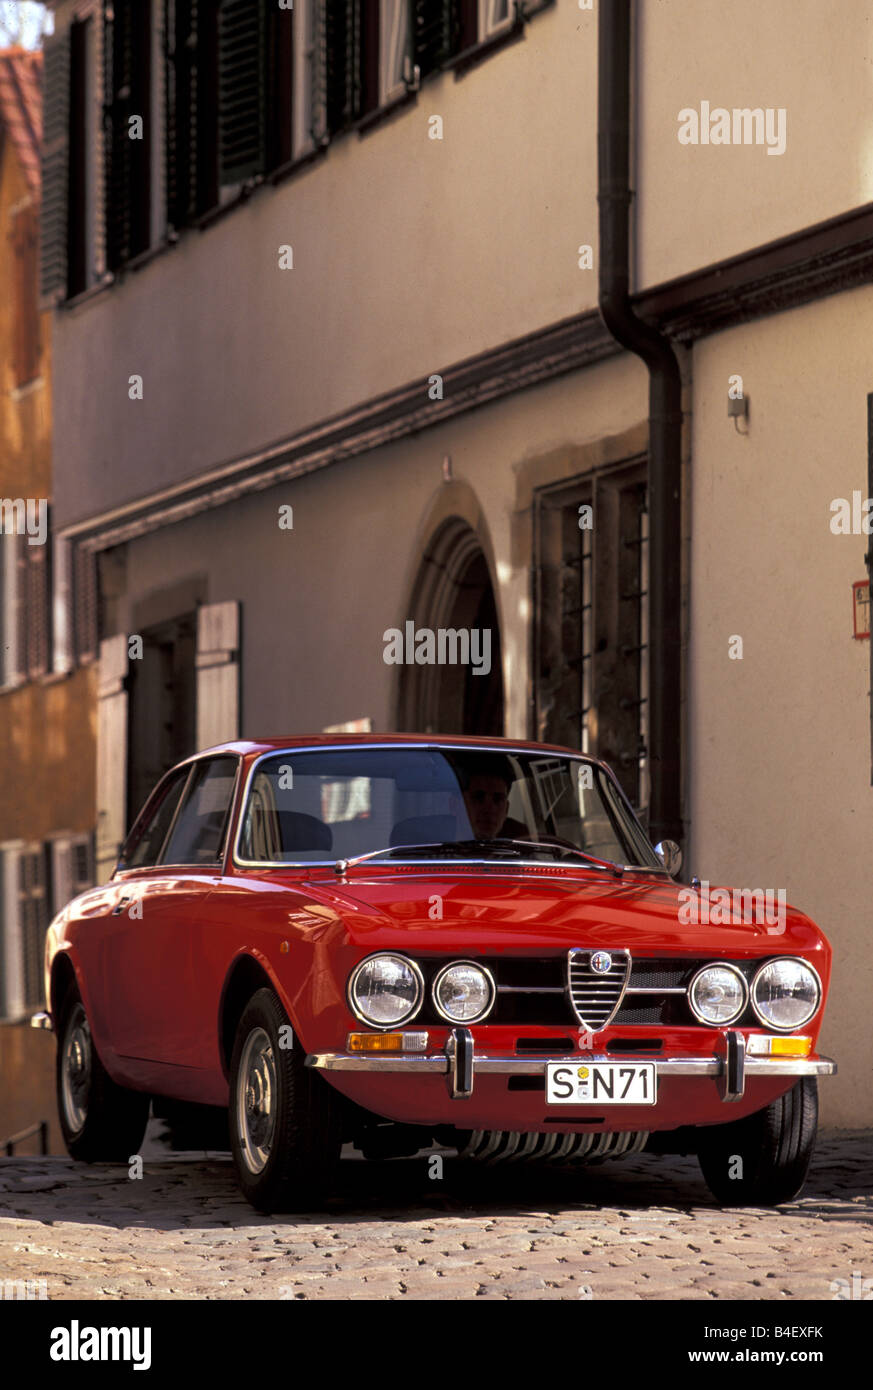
{"x": 485, "y": 788}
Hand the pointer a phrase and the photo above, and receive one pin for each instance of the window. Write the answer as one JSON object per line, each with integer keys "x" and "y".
{"x": 191, "y": 148}
{"x": 25, "y": 607}
{"x": 148, "y": 835}
{"x": 591, "y": 639}
{"x": 72, "y": 868}
{"x": 395, "y": 58}
{"x": 198, "y": 833}
{"x": 127, "y": 46}
{"x": 25, "y": 343}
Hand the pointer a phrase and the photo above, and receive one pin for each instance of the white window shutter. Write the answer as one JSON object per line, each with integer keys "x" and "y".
{"x": 217, "y": 673}
{"x": 62, "y": 874}
{"x": 111, "y": 753}
{"x": 11, "y": 943}
{"x": 62, "y": 605}
{"x": 13, "y": 655}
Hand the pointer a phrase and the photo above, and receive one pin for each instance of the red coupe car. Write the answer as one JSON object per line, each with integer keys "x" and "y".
{"x": 397, "y": 941}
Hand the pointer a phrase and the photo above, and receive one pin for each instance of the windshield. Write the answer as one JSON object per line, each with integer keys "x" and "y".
{"x": 338, "y": 803}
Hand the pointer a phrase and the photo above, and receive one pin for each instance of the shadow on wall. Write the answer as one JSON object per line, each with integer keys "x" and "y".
{"x": 27, "y": 1086}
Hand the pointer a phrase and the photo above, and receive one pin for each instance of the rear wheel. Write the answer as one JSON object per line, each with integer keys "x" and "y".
{"x": 100, "y": 1121}
{"x": 763, "y": 1159}
{"x": 285, "y": 1120}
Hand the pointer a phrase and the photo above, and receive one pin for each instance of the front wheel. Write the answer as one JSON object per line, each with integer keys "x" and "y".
{"x": 762, "y": 1160}
{"x": 285, "y": 1121}
{"x": 100, "y": 1121}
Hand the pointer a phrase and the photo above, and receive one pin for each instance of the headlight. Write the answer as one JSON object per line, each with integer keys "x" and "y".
{"x": 386, "y": 990}
{"x": 463, "y": 992}
{"x": 718, "y": 993}
{"x": 786, "y": 993}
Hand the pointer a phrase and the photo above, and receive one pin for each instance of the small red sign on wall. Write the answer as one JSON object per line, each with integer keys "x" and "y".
{"x": 861, "y": 607}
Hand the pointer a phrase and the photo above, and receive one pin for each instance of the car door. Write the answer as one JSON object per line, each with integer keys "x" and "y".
{"x": 156, "y": 1004}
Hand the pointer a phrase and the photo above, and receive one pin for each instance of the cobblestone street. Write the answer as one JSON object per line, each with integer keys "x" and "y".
{"x": 644, "y": 1228}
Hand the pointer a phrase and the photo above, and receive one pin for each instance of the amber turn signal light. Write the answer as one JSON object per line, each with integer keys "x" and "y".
{"x": 386, "y": 1042}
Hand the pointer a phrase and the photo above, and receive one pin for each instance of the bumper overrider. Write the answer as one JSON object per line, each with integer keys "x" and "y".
{"x": 461, "y": 1064}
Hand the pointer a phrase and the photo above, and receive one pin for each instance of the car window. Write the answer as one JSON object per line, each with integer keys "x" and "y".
{"x": 144, "y": 845}
{"x": 199, "y": 830}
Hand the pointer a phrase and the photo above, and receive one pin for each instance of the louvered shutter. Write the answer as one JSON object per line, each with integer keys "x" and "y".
{"x": 12, "y": 1000}
{"x": 111, "y": 753}
{"x": 55, "y": 170}
{"x": 34, "y": 919}
{"x": 242, "y": 83}
{"x": 343, "y": 58}
{"x": 22, "y": 596}
{"x": 217, "y": 673}
{"x": 38, "y": 612}
{"x": 190, "y": 116}
{"x": 117, "y": 93}
{"x": 85, "y": 624}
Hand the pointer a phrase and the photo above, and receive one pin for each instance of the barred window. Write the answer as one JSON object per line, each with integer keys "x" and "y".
{"x": 591, "y": 624}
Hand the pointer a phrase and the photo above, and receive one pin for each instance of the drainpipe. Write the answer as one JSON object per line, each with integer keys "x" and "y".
{"x": 665, "y": 415}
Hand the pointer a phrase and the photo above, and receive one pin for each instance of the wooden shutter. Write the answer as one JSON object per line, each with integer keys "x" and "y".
{"x": 38, "y": 608}
{"x": 85, "y": 611}
{"x": 56, "y": 119}
{"x": 12, "y": 1001}
{"x": 127, "y": 92}
{"x": 343, "y": 57}
{"x": 191, "y": 88}
{"x": 25, "y": 345}
{"x": 242, "y": 82}
{"x": 111, "y": 753}
{"x": 217, "y": 673}
{"x": 34, "y": 920}
{"x": 62, "y": 605}
{"x": 436, "y": 29}
{"x": 13, "y": 626}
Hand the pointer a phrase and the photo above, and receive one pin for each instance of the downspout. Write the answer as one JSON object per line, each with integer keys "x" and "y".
{"x": 665, "y": 416}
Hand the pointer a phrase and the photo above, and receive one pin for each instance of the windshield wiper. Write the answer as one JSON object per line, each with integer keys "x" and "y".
{"x": 455, "y": 847}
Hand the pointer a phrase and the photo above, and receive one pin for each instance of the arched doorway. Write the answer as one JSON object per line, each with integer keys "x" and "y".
{"x": 453, "y": 590}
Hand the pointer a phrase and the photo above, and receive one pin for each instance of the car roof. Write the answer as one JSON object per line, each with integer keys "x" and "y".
{"x": 255, "y": 747}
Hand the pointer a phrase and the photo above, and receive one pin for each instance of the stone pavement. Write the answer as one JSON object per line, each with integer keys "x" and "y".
{"x": 640, "y": 1228}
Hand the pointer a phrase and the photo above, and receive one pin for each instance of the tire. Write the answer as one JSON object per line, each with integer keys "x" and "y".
{"x": 285, "y": 1121}
{"x": 101, "y": 1122}
{"x": 775, "y": 1144}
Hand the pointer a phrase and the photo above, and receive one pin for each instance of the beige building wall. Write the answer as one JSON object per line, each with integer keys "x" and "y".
{"x": 699, "y": 204}
{"x": 779, "y": 752}
{"x": 409, "y": 254}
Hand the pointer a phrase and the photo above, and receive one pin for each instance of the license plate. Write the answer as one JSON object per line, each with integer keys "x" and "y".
{"x": 600, "y": 1083}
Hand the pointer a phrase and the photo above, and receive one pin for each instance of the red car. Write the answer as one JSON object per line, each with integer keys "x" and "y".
{"x": 398, "y": 941}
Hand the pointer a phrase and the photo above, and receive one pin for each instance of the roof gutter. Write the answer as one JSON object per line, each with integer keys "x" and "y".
{"x": 665, "y": 416}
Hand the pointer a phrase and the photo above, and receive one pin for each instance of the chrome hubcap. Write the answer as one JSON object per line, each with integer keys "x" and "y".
{"x": 256, "y": 1100}
{"x": 76, "y": 1070}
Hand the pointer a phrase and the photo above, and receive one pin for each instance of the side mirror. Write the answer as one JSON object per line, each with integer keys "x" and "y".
{"x": 670, "y": 856}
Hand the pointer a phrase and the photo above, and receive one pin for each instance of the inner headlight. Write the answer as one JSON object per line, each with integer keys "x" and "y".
{"x": 463, "y": 992}
{"x": 386, "y": 990}
{"x": 786, "y": 993}
{"x": 718, "y": 993}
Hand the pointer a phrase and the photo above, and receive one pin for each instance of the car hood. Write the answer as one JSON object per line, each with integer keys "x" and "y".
{"x": 520, "y": 910}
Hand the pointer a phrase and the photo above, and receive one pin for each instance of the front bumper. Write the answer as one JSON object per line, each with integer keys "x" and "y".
{"x": 460, "y": 1064}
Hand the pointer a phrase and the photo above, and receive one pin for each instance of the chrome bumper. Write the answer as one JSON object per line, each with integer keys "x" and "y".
{"x": 460, "y": 1064}
{"x": 41, "y": 1020}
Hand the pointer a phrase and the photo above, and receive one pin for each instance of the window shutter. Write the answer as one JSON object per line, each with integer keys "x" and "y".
{"x": 13, "y": 625}
{"x": 319, "y": 128}
{"x": 127, "y": 92}
{"x": 62, "y": 605}
{"x": 34, "y": 920}
{"x": 436, "y": 31}
{"x": 191, "y": 172}
{"x": 55, "y": 170}
{"x": 12, "y": 1002}
{"x": 111, "y": 753}
{"x": 343, "y": 53}
{"x": 25, "y": 240}
{"x": 217, "y": 673}
{"x": 22, "y": 596}
{"x": 242, "y": 105}
{"x": 85, "y": 625}
{"x": 38, "y": 623}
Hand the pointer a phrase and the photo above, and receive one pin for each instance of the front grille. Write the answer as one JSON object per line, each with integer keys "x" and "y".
{"x": 561, "y": 990}
{"x": 594, "y": 994}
